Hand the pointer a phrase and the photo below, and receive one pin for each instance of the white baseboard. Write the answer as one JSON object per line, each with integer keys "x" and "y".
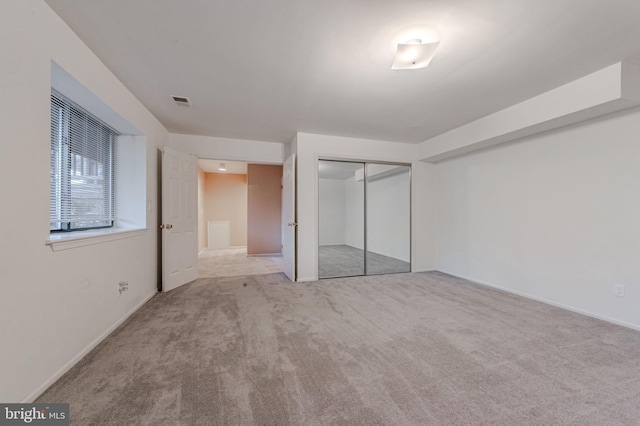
{"x": 265, "y": 255}
{"x": 426, "y": 270}
{"x": 225, "y": 248}
{"x": 40, "y": 390}
{"x": 547, "y": 301}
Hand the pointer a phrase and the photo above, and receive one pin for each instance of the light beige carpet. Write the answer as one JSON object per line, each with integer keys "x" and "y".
{"x": 235, "y": 262}
{"x": 403, "y": 349}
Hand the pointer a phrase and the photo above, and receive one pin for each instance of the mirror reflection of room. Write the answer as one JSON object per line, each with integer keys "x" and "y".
{"x": 388, "y": 216}
{"x": 358, "y": 237}
{"x": 341, "y": 219}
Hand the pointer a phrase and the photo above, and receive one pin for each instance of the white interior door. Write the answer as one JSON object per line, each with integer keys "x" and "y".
{"x": 179, "y": 219}
{"x": 289, "y": 217}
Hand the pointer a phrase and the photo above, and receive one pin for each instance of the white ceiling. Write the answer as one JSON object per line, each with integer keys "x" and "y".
{"x": 264, "y": 70}
{"x": 213, "y": 166}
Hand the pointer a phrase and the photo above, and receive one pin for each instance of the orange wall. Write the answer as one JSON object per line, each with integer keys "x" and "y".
{"x": 225, "y": 198}
{"x": 264, "y": 209}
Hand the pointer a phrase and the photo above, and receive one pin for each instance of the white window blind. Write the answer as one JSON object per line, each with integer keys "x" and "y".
{"x": 82, "y": 166}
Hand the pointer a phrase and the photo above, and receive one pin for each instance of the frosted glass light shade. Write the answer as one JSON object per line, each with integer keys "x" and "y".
{"x": 414, "y": 55}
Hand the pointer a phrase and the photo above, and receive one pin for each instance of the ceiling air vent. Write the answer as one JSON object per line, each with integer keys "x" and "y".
{"x": 182, "y": 101}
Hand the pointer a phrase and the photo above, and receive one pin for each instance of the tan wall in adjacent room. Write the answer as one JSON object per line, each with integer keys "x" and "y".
{"x": 264, "y": 209}
{"x": 226, "y": 199}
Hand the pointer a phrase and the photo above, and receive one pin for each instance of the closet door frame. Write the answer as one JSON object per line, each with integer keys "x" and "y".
{"x": 365, "y": 163}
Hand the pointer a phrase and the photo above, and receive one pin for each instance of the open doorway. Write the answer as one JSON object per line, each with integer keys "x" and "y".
{"x": 239, "y": 218}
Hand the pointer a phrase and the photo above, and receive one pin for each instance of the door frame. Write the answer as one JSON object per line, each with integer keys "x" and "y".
{"x": 240, "y": 160}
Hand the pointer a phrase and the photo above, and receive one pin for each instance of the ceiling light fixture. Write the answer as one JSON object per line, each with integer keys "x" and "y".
{"x": 222, "y": 167}
{"x": 414, "y": 54}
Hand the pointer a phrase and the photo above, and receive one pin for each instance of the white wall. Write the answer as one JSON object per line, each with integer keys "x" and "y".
{"x": 424, "y": 217}
{"x": 310, "y": 147}
{"x": 331, "y": 209}
{"x": 555, "y": 217}
{"x": 56, "y": 305}
{"x": 228, "y": 149}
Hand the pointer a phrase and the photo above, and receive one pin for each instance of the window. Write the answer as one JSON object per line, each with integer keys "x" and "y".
{"x": 82, "y": 182}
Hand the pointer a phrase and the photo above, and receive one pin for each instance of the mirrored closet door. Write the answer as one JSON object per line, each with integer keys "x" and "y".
{"x": 364, "y": 218}
{"x": 388, "y": 219}
{"x": 340, "y": 219}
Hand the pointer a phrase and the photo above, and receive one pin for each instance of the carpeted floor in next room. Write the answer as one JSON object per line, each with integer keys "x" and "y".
{"x": 235, "y": 262}
{"x": 403, "y": 349}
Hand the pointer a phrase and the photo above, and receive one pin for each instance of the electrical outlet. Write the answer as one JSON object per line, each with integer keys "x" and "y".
{"x": 618, "y": 290}
{"x": 123, "y": 286}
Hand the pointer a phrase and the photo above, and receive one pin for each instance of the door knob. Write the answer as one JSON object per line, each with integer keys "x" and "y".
{"x": 292, "y": 224}
{"x": 167, "y": 226}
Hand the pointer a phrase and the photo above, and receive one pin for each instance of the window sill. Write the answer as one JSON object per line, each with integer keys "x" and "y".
{"x": 65, "y": 241}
